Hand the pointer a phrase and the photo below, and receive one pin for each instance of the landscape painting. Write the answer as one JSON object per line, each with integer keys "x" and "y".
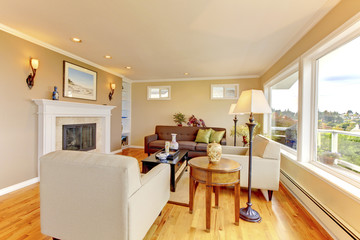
{"x": 79, "y": 82}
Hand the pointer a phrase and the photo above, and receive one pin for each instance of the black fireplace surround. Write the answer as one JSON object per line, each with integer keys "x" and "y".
{"x": 79, "y": 137}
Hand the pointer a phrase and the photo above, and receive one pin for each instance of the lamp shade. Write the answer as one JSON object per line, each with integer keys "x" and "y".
{"x": 34, "y": 63}
{"x": 112, "y": 86}
{"x": 252, "y": 101}
{"x": 231, "y": 110}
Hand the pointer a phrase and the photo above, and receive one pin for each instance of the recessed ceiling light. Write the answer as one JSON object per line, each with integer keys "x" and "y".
{"x": 128, "y": 67}
{"x": 186, "y": 73}
{"x": 107, "y": 57}
{"x": 77, "y": 40}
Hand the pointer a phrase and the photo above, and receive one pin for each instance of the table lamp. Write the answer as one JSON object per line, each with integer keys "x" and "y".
{"x": 251, "y": 102}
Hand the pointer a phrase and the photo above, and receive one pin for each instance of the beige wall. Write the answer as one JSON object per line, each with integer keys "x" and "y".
{"x": 18, "y": 121}
{"x": 334, "y": 199}
{"x": 188, "y": 97}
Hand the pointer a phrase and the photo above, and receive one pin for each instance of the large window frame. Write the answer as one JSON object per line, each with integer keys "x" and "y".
{"x": 310, "y": 88}
{"x": 306, "y": 154}
{"x": 286, "y": 72}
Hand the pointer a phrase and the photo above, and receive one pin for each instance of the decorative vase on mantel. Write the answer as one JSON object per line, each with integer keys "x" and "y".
{"x": 214, "y": 151}
{"x": 174, "y": 145}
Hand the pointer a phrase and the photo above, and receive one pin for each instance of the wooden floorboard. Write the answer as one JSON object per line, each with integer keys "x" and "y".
{"x": 283, "y": 218}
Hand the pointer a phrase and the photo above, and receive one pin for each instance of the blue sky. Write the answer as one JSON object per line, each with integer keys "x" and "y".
{"x": 339, "y": 82}
{"x": 339, "y": 79}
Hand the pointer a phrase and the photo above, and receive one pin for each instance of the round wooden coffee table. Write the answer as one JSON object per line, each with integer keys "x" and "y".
{"x": 224, "y": 173}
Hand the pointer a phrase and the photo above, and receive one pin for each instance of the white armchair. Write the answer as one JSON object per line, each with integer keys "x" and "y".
{"x": 96, "y": 196}
{"x": 265, "y": 164}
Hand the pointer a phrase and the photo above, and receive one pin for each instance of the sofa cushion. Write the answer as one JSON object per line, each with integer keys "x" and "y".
{"x": 201, "y": 147}
{"x": 272, "y": 150}
{"x": 187, "y": 145}
{"x": 203, "y": 136}
{"x": 216, "y": 136}
{"x": 259, "y": 145}
{"x": 157, "y": 144}
{"x": 265, "y": 148}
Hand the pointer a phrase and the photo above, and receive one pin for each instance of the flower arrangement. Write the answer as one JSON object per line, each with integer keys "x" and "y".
{"x": 179, "y": 118}
{"x": 193, "y": 121}
{"x": 243, "y": 131}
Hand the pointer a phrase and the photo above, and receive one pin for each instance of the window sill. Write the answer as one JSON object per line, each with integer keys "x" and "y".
{"x": 336, "y": 182}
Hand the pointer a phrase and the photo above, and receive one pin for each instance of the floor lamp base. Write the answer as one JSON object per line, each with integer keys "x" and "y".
{"x": 250, "y": 215}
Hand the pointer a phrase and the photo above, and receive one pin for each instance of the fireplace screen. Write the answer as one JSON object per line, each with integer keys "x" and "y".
{"x": 79, "y": 137}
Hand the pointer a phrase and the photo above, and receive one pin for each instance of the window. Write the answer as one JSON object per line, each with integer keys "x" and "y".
{"x": 338, "y": 108}
{"x": 224, "y": 91}
{"x": 284, "y": 117}
{"x": 159, "y": 93}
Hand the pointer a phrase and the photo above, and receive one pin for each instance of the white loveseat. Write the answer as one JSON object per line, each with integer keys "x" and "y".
{"x": 265, "y": 164}
{"x": 96, "y": 196}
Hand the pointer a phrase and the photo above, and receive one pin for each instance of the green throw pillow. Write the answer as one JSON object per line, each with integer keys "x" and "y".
{"x": 216, "y": 136}
{"x": 203, "y": 136}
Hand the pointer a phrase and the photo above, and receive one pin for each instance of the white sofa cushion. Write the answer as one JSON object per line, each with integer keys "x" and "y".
{"x": 265, "y": 148}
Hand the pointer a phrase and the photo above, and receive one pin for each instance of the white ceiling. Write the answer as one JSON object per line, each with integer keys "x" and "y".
{"x": 163, "y": 39}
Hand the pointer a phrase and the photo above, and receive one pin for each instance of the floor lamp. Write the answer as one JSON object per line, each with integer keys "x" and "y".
{"x": 231, "y": 112}
{"x": 251, "y": 102}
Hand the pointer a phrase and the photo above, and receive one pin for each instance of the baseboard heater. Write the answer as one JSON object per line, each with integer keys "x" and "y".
{"x": 319, "y": 205}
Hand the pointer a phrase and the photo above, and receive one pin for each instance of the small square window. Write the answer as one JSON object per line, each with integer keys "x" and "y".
{"x": 224, "y": 91}
{"x": 159, "y": 93}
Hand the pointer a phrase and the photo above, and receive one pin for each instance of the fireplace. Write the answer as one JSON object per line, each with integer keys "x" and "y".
{"x": 79, "y": 137}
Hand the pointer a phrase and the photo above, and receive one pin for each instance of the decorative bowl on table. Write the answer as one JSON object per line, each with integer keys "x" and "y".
{"x": 162, "y": 156}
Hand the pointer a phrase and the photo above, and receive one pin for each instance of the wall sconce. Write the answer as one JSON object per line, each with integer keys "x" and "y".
{"x": 34, "y": 64}
{"x": 112, "y": 89}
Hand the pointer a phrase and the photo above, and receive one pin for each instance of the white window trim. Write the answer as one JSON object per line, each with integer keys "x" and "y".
{"x": 286, "y": 72}
{"x": 225, "y": 86}
{"x": 158, "y": 87}
{"x": 308, "y": 92}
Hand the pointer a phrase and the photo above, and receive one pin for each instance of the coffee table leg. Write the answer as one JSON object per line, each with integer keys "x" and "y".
{"x": 208, "y": 207}
{"x": 191, "y": 193}
{"x": 237, "y": 202}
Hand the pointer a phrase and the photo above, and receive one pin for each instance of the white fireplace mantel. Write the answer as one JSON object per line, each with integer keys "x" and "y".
{"x": 49, "y": 110}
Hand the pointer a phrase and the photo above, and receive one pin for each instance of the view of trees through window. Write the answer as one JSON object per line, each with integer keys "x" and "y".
{"x": 338, "y": 138}
{"x": 284, "y": 104}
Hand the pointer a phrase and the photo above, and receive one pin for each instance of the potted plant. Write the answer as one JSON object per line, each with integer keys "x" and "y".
{"x": 329, "y": 157}
{"x": 179, "y": 118}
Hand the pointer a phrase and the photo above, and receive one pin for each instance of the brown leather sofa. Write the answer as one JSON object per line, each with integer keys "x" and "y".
{"x": 185, "y": 137}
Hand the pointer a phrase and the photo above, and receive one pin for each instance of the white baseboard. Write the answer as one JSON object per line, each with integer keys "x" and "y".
{"x": 116, "y": 151}
{"x": 333, "y": 224}
{"x": 135, "y": 146}
{"x": 18, "y": 186}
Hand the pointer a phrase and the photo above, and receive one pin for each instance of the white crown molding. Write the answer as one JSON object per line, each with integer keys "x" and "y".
{"x": 330, "y": 4}
{"x": 195, "y": 79}
{"x": 55, "y": 49}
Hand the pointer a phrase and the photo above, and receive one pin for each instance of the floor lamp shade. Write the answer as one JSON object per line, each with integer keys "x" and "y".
{"x": 252, "y": 101}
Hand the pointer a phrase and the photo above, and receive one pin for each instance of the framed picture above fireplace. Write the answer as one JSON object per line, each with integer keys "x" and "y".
{"x": 79, "y": 82}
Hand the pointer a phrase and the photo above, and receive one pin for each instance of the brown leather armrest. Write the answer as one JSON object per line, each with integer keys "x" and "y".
{"x": 147, "y": 140}
{"x": 223, "y": 141}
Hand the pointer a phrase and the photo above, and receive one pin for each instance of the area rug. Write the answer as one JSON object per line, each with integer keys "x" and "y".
{"x": 181, "y": 195}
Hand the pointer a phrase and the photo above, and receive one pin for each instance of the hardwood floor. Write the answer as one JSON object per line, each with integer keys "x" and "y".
{"x": 283, "y": 218}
